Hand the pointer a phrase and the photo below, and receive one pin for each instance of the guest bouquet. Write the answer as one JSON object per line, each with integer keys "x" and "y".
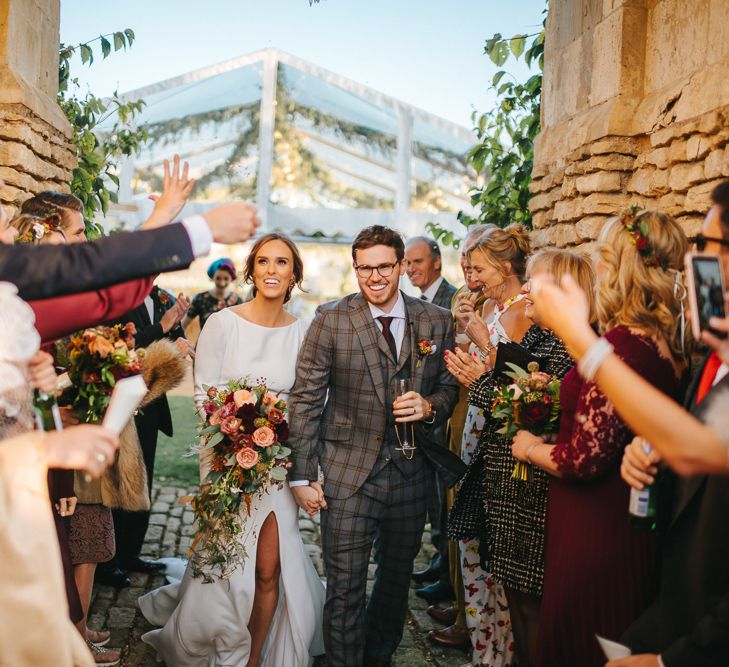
{"x": 245, "y": 429}
{"x": 530, "y": 402}
{"x": 95, "y": 359}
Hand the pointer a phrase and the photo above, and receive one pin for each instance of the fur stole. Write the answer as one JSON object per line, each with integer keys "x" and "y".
{"x": 124, "y": 485}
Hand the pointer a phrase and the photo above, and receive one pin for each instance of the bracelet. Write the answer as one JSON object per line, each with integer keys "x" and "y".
{"x": 485, "y": 352}
{"x": 529, "y": 451}
{"x": 595, "y": 356}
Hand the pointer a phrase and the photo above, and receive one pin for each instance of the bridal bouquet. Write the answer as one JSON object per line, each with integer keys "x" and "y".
{"x": 530, "y": 402}
{"x": 246, "y": 430}
{"x": 95, "y": 359}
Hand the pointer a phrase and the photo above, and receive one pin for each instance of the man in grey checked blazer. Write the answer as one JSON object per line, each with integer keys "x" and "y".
{"x": 343, "y": 409}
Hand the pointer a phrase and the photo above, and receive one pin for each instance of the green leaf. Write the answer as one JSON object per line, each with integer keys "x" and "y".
{"x": 105, "y": 47}
{"x": 497, "y": 77}
{"x": 130, "y": 35}
{"x": 278, "y": 473}
{"x": 516, "y": 44}
{"x": 87, "y": 55}
{"x": 119, "y": 41}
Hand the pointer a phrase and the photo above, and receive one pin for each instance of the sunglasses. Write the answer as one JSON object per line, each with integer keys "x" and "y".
{"x": 702, "y": 240}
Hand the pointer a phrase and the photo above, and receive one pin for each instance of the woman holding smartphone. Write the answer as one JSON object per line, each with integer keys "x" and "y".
{"x": 686, "y": 444}
{"x": 598, "y": 568}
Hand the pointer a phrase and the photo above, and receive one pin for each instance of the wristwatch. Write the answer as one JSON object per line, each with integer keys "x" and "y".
{"x": 484, "y": 353}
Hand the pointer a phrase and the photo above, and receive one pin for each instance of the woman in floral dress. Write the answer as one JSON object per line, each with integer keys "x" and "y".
{"x": 222, "y": 272}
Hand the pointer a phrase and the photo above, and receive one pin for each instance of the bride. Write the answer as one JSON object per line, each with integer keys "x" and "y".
{"x": 269, "y": 611}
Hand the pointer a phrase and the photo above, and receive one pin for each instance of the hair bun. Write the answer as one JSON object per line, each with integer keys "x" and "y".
{"x": 519, "y": 234}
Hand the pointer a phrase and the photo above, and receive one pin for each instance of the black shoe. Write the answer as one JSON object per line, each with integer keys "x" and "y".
{"x": 108, "y": 577}
{"x": 437, "y": 592}
{"x": 430, "y": 573}
{"x": 140, "y": 565}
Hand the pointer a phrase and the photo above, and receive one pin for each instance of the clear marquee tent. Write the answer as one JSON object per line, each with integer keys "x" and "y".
{"x": 321, "y": 155}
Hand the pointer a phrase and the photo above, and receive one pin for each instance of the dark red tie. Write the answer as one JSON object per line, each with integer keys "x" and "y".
{"x": 387, "y": 334}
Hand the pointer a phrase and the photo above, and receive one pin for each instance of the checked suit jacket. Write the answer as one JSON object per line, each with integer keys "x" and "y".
{"x": 339, "y": 403}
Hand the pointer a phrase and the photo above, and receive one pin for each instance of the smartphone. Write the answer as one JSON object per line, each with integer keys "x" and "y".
{"x": 706, "y": 289}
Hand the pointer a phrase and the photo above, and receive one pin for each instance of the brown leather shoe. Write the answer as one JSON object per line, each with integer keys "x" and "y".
{"x": 443, "y": 615}
{"x": 454, "y": 636}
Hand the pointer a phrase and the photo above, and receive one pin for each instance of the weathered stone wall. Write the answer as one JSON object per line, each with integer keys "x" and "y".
{"x": 635, "y": 110}
{"x": 35, "y": 153}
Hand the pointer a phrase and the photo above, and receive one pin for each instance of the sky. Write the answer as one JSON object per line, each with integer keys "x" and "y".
{"x": 428, "y": 53}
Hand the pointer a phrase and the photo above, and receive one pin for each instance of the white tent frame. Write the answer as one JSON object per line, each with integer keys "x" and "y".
{"x": 309, "y": 220}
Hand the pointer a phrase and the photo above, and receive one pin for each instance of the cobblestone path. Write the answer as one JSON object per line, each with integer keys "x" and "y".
{"x": 170, "y": 534}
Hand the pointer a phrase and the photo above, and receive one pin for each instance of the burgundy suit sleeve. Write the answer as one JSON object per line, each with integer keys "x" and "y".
{"x": 60, "y": 316}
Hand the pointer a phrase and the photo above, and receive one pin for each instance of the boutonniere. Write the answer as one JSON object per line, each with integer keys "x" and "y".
{"x": 163, "y": 296}
{"x": 426, "y": 348}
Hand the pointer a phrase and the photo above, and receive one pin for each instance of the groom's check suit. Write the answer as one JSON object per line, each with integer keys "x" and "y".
{"x": 341, "y": 420}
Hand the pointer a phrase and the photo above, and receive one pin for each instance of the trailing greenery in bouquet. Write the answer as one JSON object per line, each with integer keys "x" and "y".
{"x": 245, "y": 427}
{"x": 95, "y": 360}
{"x": 530, "y": 403}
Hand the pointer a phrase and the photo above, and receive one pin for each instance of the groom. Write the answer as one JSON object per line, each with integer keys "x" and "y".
{"x": 343, "y": 413}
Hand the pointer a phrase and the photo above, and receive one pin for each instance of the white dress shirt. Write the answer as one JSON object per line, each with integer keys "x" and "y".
{"x": 201, "y": 238}
{"x": 397, "y": 326}
{"x": 149, "y": 305}
{"x": 429, "y": 294}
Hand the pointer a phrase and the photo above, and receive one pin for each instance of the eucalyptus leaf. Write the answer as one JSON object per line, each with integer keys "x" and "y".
{"x": 278, "y": 473}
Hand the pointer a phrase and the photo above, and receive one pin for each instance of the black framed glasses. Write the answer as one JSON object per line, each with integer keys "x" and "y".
{"x": 385, "y": 270}
{"x": 702, "y": 240}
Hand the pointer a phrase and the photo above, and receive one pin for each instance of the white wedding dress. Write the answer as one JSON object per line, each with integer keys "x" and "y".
{"x": 205, "y": 625}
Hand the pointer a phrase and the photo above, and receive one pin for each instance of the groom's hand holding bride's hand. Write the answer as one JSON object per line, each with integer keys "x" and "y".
{"x": 309, "y": 498}
{"x": 411, "y": 407}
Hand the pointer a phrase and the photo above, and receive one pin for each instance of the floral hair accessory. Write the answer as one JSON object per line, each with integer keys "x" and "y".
{"x": 638, "y": 231}
{"x": 36, "y": 232}
{"x": 426, "y": 348}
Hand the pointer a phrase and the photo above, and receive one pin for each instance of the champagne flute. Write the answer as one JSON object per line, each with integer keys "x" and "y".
{"x": 404, "y": 430}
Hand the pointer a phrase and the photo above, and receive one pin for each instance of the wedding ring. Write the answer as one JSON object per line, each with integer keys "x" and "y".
{"x": 101, "y": 458}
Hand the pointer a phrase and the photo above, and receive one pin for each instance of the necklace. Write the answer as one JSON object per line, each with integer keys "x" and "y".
{"x": 495, "y": 328}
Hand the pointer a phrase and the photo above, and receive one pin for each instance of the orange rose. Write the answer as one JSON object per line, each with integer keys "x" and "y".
{"x": 216, "y": 417}
{"x": 243, "y": 397}
{"x": 270, "y": 399}
{"x": 247, "y": 458}
{"x": 264, "y": 437}
{"x": 100, "y": 345}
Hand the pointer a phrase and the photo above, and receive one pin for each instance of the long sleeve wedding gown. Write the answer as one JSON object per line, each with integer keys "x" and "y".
{"x": 205, "y": 625}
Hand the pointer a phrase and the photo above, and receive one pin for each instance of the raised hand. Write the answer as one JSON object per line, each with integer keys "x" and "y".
{"x": 176, "y": 313}
{"x": 464, "y": 310}
{"x": 176, "y": 190}
{"x": 719, "y": 345}
{"x": 563, "y": 309}
{"x": 466, "y": 368}
{"x": 232, "y": 223}
{"x": 478, "y": 332}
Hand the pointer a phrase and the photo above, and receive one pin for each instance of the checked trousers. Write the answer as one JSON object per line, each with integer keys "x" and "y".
{"x": 388, "y": 511}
